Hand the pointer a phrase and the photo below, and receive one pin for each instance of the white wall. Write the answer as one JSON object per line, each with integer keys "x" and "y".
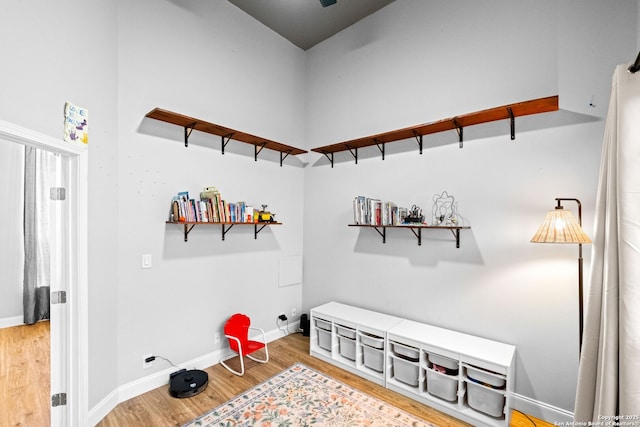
{"x": 413, "y": 62}
{"x": 211, "y": 61}
{"x": 66, "y": 51}
{"x": 419, "y": 61}
{"x": 587, "y": 47}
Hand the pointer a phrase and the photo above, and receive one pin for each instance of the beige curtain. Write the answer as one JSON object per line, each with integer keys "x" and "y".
{"x": 609, "y": 373}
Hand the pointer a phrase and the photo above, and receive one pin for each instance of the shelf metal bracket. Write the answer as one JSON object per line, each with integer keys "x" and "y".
{"x": 284, "y": 156}
{"x": 256, "y": 230}
{"x": 513, "y": 123}
{"x": 456, "y": 234}
{"x": 380, "y": 147}
{"x": 330, "y": 157}
{"x": 418, "y": 234}
{"x": 418, "y": 139}
{"x": 187, "y": 132}
{"x": 225, "y": 141}
{"x": 226, "y": 230}
{"x": 382, "y": 233}
{"x": 460, "y": 131}
{"x": 354, "y": 153}
{"x": 258, "y": 150}
{"x": 187, "y": 230}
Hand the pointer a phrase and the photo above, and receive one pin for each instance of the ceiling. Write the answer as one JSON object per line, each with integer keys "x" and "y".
{"x": 305, "y": 22}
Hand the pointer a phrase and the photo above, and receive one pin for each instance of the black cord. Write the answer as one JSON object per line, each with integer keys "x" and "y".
{"x": 170, "y": 362}
{"x": 527, "y": 416}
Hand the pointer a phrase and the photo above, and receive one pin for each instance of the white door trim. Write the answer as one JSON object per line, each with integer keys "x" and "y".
{"x": 76, "y": 349}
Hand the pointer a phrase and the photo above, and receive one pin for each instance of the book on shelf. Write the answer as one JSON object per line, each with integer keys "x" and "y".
{"x": 227, "y": 211}
{"x": 203, "y": 210}
{"x": 372, "y": 211}
{"x": 191, "y": 214}
{"x": 210, "y": 208}
{"x": 221, "y": 210}
{"x": 196, "y": 210}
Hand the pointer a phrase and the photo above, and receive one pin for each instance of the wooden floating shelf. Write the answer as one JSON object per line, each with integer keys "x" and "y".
{"x": 226, "y": 226}
{"x": 416, "y": 229}
{"x": 190, "y": 124}
{"x": 457, "y": 123}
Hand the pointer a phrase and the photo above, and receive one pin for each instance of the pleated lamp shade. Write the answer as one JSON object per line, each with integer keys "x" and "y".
{"x": 560, "y": 226}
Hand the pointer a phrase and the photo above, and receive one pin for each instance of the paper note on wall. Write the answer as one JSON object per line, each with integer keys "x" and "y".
{"x": 290, "y": 272}
{"x": 76, "y": 127}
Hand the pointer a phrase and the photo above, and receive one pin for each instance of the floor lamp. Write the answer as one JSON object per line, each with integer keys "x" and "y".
{"x": 560, "y": 226}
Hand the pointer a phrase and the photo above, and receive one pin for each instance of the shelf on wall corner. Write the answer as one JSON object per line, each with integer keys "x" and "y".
{"x": 226, "y": 134}
{"x": 457, "y": 123}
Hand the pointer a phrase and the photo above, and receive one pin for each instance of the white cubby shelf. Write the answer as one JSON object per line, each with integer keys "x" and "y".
{"x": 465, "y": 376}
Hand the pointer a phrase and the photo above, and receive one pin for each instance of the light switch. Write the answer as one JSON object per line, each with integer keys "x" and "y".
{"x": 146, "y": 261}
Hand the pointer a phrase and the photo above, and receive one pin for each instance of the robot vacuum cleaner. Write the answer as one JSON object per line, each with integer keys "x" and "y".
{"x": 185, "y": 383}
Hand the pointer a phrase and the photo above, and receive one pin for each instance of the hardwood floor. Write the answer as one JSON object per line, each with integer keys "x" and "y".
{"x": 158, "y": 408}
{"x": 25, "y": 375}
{"x": 25, "y": 386}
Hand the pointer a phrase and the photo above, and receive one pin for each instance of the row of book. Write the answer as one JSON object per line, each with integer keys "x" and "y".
{"x": 210, "y": 208}
{"x": 370, "y": 211}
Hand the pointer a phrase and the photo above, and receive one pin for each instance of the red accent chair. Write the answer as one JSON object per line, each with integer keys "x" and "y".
{"x": 237, "y": 331}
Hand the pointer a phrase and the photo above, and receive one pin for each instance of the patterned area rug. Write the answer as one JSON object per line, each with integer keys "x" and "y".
{"x": 300, "y": 396}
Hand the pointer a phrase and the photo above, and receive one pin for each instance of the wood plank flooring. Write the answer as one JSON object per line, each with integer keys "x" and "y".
{"x": 158, "y": 408}
{"x": 25, "y": 375}
{"x": 25, "y": 386}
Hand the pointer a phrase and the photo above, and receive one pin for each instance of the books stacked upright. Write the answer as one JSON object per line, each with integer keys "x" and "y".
{"x": 210, "y": 208}
{"x": 370, "y": 211}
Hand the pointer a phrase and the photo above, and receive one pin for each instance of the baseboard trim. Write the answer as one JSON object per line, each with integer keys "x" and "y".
{"x": 102, "y": 409}
{"x": 10, "y": 322}
{"x": 541, "y": 410}
{"x": 160, "y": 378}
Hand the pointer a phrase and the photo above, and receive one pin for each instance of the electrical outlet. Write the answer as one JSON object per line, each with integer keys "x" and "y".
{"x": 216, "y": 338}
{"x": 293, "y": 312}
{"x": 145, "y": 364}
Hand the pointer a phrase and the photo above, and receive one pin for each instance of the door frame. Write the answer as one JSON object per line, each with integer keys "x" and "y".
{"x": 70, "y": 348}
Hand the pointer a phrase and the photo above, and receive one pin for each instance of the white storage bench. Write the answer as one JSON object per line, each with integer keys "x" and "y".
{"x": 357, "y": 340}
{"x": 468, "y": 377}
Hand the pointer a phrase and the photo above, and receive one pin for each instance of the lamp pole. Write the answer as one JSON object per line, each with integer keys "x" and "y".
{"x": 580, "y": 262}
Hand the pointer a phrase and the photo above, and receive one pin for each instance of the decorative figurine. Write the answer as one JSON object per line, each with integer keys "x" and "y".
{"x": 445, "y": 210}
{"x": 265, "y": 216}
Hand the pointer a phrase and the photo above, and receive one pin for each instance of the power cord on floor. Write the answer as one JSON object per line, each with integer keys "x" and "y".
{"x": 527, "y": 416}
